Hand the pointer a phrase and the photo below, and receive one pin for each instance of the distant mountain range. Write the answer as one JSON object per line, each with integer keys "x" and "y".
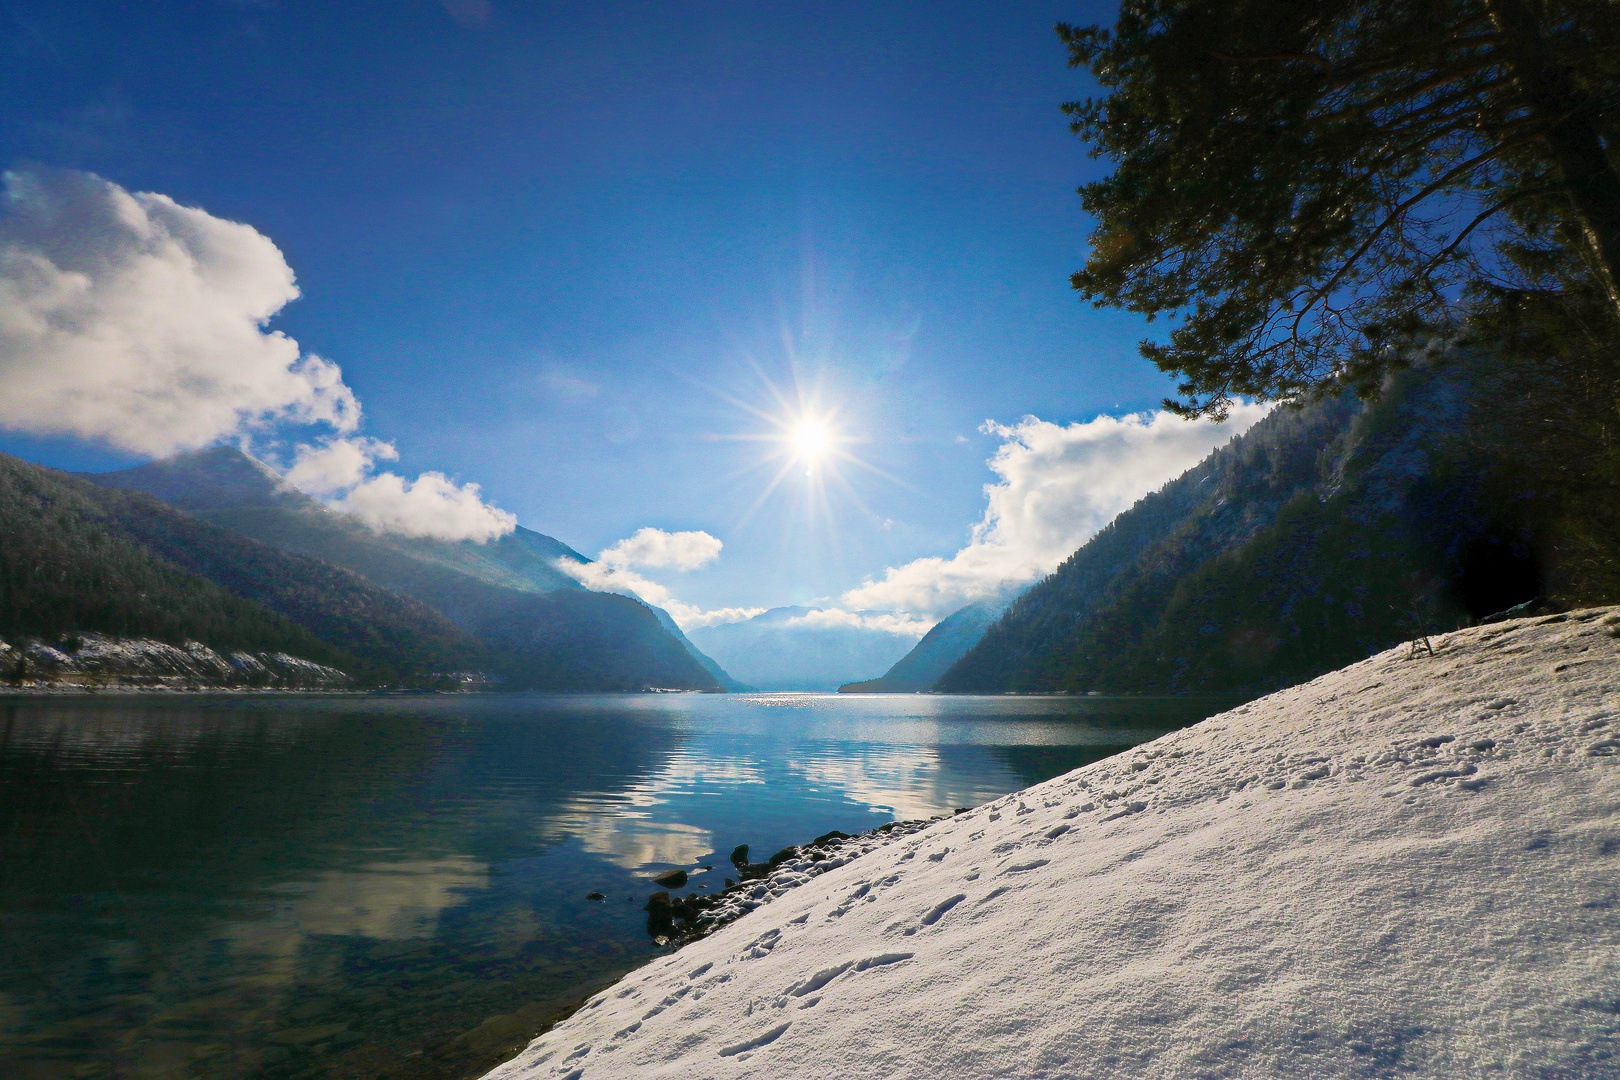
{"x": 211, "y": 546}
{"x": 1322, "y": 535}
{"x": 942, "y": 646}
{"x": 801, "y": 648}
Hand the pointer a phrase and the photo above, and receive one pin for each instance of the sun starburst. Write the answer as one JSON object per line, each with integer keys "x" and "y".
{"x": 811, "y": 439}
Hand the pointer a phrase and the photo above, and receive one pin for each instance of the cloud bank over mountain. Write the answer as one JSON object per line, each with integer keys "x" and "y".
{"x": 340, "y": 470}
{"x": 655, "y": 548}
{"x": 129, "y": 319}
{"x": 616, "y": 565}
{"x": 1059, "y": 484}
{"x": 899, "y": 623}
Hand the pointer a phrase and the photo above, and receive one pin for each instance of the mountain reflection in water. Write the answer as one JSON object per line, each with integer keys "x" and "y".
{"x": 365, "y": 887}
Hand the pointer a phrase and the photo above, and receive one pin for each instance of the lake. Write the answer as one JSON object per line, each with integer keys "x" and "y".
{"x": 395, "y": 887}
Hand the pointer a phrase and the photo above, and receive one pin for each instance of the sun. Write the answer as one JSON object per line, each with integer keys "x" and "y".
{"x": 810, "y": 440}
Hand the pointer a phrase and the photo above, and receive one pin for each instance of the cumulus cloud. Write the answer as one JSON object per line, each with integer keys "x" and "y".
{"x": 1058, "y": 485}
{"x": 655, "y": 548}
{"x": 129, "y": 319}
{"x": 432, "y": 505}
{"x": 340, "y": 470}
{"x": 615, "y": 572}
{"x": 898, "y": 623}
{"x": 134, "y": 320}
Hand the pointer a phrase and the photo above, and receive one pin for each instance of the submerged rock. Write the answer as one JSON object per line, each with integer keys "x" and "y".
{"x": 673, "y": 879}
{"x": 660, "y": 917}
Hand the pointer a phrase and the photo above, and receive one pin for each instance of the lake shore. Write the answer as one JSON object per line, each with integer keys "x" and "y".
{"x": 1405, "y": 864}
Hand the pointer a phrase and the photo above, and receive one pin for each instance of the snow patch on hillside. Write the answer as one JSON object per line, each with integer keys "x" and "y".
{"x": 1407, "y": 867}
{"x": 102, "y": 662}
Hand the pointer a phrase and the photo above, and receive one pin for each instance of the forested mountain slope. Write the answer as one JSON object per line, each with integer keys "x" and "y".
{"x": 78, "y": 558}
{"x": 720, "y": 675}
{"x": 1321, "y": 536}
{"x": 538, "y": 627}
{"x": 225, "y": 486}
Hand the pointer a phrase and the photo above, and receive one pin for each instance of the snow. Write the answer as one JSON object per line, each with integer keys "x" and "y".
{"x": 1404, "y": 868}
{"x": 103, "y": 662}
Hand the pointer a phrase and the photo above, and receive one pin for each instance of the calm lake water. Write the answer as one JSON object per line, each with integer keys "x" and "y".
{"x": 396, "y": 886}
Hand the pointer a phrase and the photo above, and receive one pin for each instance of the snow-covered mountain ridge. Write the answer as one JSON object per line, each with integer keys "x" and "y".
{"x": 1410, "y": 866}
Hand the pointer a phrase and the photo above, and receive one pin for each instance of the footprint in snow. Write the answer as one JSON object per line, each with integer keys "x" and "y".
{"x": 1019, "y": 868}
{"x": 757, "y": 1041}
{"x": 941, "y": 908}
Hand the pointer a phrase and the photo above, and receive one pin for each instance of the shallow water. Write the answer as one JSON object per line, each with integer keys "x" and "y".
{"x": 396, "y": 886}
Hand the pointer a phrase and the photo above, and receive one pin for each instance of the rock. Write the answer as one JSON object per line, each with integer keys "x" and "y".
{"x": 782, "y": 856}
{"x": 595, "y": 896}
{"x": 730, "y": 884}
{"x": 674, "y": 879}
{"x": 828, "y": 837}
{"x": 660, "y": 915}
{"x": 739, "y": 855}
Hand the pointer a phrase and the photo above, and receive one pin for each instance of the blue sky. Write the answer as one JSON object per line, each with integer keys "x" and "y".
{"x": 566, "y": 251}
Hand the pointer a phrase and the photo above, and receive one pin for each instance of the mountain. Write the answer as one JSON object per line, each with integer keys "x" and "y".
{"x": 799, "y": 648}
{"x": 539, "y": 628}
{"x": 1321, "y": 536}
{"x": 227, "y": 487}
{"x": 946, "y": 643}
{"x": 718, "y": 673}
{"x": 76, "y": 558}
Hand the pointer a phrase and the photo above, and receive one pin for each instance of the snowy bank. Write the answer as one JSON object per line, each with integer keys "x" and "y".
{"x": 1407, "y": 867}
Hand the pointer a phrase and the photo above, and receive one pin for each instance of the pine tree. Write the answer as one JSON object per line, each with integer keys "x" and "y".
{"x": 1311, "y": 192}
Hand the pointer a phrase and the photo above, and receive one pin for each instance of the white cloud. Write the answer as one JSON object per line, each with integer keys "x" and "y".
{"x": 432, "y": 505}
{"x": 613, "y": 572}
{"x": 336, "y": 465}
{"x": 656, "y": 548}
{"x": 135, "y": 321}
{"x": 1059, "y": 484}
{"x": 898, "y": 623}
